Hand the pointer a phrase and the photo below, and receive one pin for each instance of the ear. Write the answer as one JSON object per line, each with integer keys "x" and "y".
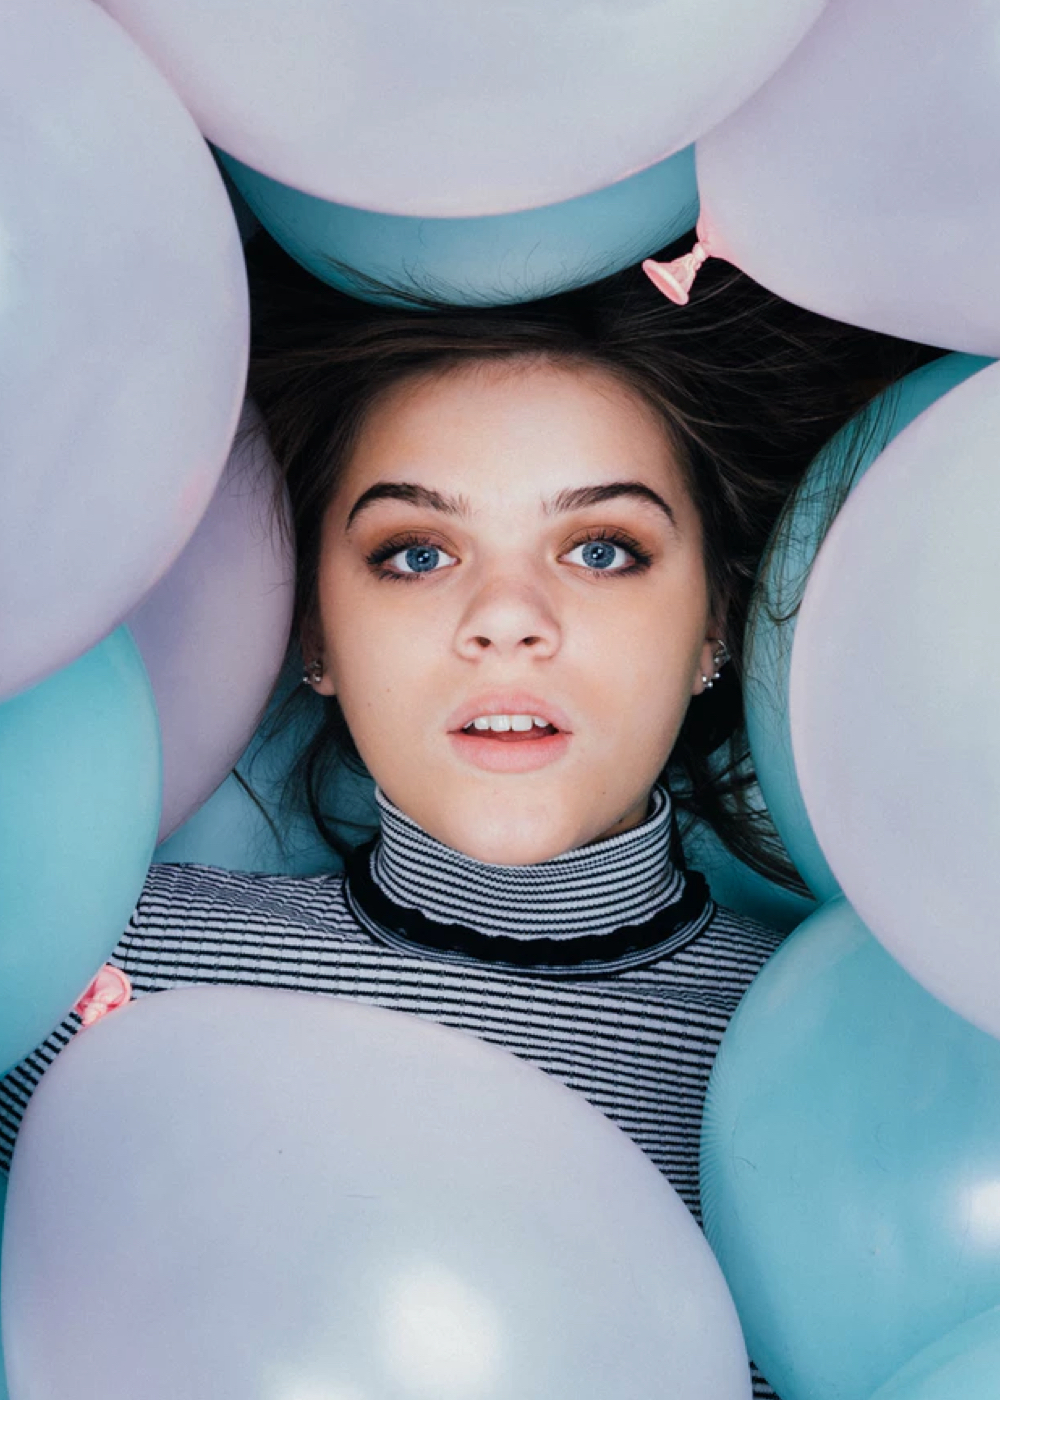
{"x": 312, "y": 647}
{"x": 713, "y": 656}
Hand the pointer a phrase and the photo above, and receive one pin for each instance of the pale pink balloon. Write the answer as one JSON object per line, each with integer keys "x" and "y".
{"x": 290, "y": 1196}
{"x": 862, "y": 180}
{"x": 895, "y": 699}
{"x": 461, "y": 107}
{"x": 213, "y": 632}
{"x": 123, "y": 331}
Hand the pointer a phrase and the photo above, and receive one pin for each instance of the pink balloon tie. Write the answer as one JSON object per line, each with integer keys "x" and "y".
{"x": 109, "y": 989}
{"x": 675, "y": 277}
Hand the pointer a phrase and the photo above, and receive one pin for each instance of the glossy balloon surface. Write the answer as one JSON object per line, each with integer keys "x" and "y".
{"x": 317, "y": 1199}
{"x": 213, "y": 632}
{"x": 123, "y": 332}
{"x": 780, "y": 588}
{"x": 461, "y": 108}
{"x": 862, "y": 180}
{"x": 895, "y": 699}
{"x": 80, "y": 794}
{"x": 849, "y": 1163}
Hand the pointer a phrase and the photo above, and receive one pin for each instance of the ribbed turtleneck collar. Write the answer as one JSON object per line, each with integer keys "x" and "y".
{"x": 624, "y": 896}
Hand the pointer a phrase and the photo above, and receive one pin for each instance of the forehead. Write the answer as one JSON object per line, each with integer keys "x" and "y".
{"x": 532, "y": 423}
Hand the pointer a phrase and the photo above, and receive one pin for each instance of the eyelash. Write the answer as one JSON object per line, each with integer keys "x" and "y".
{"x": 640, "y": 557}
{"x": 379, "y": 556}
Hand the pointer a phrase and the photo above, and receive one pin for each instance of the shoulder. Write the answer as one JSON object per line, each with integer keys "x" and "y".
{"x": 727, "y": 952}
{"x": 190, "y": 895}
{"x": 729, "y": 930}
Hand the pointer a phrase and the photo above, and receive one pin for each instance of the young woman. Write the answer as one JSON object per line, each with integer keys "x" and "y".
{"x": 526, "y": 544}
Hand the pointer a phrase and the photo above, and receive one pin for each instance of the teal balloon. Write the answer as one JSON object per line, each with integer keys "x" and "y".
{"x": 781, "y": 583}
{"x": 80, "y": 799}
{"x": 230, "y": 831}
{"x": 484, "y": 259}
{"x": 737, "y": 887}
{"x": 963, "y": 1364}
{"x": 849, "y": 1163}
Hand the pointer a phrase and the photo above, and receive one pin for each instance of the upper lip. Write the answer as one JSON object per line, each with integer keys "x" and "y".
{"x": 502, "y": 702}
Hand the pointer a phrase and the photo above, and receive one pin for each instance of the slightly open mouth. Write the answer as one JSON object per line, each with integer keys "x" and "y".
{"x": 510, "y": 737}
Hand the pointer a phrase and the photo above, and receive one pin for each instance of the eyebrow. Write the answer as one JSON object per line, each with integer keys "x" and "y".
{"x": 561, "y": 503}
{"x": 566, "y": 500}
{"x": 411, "y": 494}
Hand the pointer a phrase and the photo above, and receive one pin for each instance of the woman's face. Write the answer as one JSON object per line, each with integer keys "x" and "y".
{"x": 513, "y": 540}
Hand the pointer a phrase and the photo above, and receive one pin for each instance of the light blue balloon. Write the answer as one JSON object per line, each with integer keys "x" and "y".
{"x": 738, "y": 887}
{"x": 80, "y": 799}
{"x": 229, "y": 830}
{"x": 780, "y": 586}
{"x": 849, "y": 1163}
{"x": 963, "y": 1364}
{"x": 484, "y": 259}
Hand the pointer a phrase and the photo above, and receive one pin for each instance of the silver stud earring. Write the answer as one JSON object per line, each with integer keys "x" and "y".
{"x": 720, "y": 657}
{"x": 313, "y": 672}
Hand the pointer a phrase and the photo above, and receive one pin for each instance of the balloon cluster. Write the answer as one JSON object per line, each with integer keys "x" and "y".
{"x": 844, "y": 155}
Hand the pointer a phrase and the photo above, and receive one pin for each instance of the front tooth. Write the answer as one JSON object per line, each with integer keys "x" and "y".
{"x": 521, "y": 722}
{"x": 499, "y": 722}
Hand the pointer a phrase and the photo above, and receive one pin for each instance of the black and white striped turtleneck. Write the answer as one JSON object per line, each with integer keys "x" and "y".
{"x": 609, "y": 967}
{"x": 603, "y": 908}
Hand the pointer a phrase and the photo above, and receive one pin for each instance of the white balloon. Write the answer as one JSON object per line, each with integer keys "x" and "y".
{"x": 894, "y": 699}
{"x": 124, "y": 330}
{"x": 213, "y": 632}
{"x": 461, "y": 107}
{"x": 291, "y": 1196}
{"x": 862, "y": 180}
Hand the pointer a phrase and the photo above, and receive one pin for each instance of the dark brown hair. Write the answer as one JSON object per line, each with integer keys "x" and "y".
{"x": 749, "y": 388}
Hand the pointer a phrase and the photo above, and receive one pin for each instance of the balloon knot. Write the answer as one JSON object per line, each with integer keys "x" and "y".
{"x": 109, "y": 989}
{"x": 675, "y": 277}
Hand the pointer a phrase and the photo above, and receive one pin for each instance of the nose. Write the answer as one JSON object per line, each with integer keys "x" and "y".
{"x": 508, "y": 616}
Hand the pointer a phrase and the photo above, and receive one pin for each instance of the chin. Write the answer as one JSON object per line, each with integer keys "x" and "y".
{"x": 520, "y": 841}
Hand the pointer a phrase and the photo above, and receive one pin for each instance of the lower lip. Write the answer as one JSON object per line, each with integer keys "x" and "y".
{"x": 513, "y": 756}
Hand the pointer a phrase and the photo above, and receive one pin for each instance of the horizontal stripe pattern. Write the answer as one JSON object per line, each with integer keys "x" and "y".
{"x": 637, "y": 1043}
{"x": 589, "y": 891}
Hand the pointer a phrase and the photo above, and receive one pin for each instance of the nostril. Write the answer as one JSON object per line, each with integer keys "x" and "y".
{"x": 530, "y": 640}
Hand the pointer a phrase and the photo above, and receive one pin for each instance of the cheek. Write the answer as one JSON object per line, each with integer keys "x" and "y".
{"x": 654, "y": 649}
{"x": 385, "y": 660}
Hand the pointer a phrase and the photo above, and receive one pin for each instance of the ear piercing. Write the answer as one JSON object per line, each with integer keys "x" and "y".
{"x": 720, "y": 657}
{"x": 313, "y": 672}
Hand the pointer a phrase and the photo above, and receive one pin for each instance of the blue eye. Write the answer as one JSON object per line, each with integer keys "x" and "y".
{"x": 602, "y": 555}
{"x": 599, "y": 554}
{"x": 419, "y": 560}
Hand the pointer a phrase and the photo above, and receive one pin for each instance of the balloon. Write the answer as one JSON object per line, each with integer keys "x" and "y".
{"x": 894, "y": 706}
{"x": 230, "y": 831}
{"x": 213, "y": 632}
{"x": 963, "y": 1364}
{"x": 487, "y": 260}
{"x": 861, "y": 181}
{"x": 781, "y": 583}
{"x": 123, "y": 332}
{"x": 80, "y": 793}
{"x": 317, "y": 1199}
{"x": 461, "y": 108}
{"x": 849, "y": 1163}
{"x": 738, "y": 887}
